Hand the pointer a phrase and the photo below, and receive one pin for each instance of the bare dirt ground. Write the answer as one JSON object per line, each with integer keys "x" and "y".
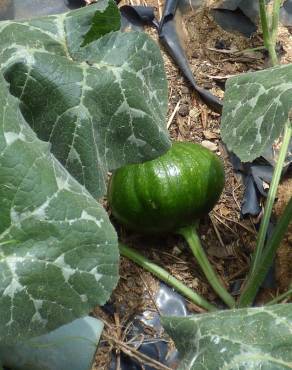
{"x": 227, "y": 237}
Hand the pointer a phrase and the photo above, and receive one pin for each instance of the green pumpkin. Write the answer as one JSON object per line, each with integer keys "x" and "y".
{"x": 169, "y": 192}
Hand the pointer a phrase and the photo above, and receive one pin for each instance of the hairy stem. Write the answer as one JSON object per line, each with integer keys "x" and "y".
{"x": 262, "y": 259}
{"x": 275, "y": 21}
{"x": 163, "y": 275}
{"x": 255, "y": 281}
{"x": 271, "y": 198}
{"x": 267, "y": 34}
{"x": 191, "y": 236}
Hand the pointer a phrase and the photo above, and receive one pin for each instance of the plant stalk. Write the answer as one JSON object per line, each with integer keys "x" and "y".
{"x": 275, "y": 21}
{"x": 280, "y": 297}
{"x": 256, "y": 260}
{"x": 191, "y": 236}
{"x": 267, "y": 34}
{"x": 255, "y": 281}
{"x": 163, "y": 275}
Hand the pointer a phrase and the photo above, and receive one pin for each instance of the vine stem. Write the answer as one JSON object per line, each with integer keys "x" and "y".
{"x": 253, "y": 281}
{"x": 280, "y": 297}
{"x": 191, "y": 236}
{"x": 264, "y": 22}
{"x": 270, "y": 35}
{"x": 275, "y": 21}
{"x": 163, "y": 275}
{"x": 256, "y": 280}
{"x": 271, "y": 197}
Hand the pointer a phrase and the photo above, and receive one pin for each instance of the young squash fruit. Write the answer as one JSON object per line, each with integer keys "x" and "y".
{"x": 169, "y": 192}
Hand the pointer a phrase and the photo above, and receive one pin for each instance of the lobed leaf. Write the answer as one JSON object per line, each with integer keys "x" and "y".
{"x": 252, "y": 338}
{"x": 69, "y": 113}
{"x": 101, "y": 105}
{"x": 58, "y": 249}
{"x": 256, "y": 107}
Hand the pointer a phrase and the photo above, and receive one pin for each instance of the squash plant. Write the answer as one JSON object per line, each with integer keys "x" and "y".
{"x": 256, "y": 112}
{"x": 77, "y": 99}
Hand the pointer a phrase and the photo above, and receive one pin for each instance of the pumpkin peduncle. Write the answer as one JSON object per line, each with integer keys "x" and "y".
{"x": 190, "y": 235}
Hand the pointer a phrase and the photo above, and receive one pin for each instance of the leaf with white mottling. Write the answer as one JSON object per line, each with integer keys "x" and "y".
{"x": 256, "y": 107}
{"x": 100, "y": 106}
{"x": 243, "y": 339}
{"x": 58, "y": 249}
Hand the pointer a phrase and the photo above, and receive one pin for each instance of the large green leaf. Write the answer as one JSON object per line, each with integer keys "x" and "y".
{"x": 58, "y": 250}
{"x": 256, "y": 107}
{"x": 68, "y": 110}
{"x": 102, "y": 105}
{"x": 244, "y": 339}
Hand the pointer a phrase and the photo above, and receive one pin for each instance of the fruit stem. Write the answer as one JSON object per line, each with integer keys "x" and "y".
{"x": 191, "y": 236}
{"x": 163, "y": 275}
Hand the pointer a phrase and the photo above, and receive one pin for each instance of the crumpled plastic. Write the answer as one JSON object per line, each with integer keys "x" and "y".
{"x": 168, "y": 36}
{"x": 168, "y": 303}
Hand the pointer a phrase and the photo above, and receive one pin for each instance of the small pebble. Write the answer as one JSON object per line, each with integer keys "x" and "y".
{"x": 222, "y": 44}
{"x": 183, "y": 110}
{"x": 195, "y": 55}
{"x": 210, "y": 145}
{"x": 208, "y": 85}
{"x": 210, "y": 135}
{"x": 185, "y": 90}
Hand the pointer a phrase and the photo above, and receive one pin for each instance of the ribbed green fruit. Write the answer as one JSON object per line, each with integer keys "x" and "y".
{"x": 168, "y": 192}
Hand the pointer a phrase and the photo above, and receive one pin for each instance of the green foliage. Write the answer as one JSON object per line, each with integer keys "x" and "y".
{"x": 253, "y": 338}
{"x": 105, "y": 21}
{"x": 100, "y": 106}
{"x": 75, "y": 111}
{"x": 256, "y": 107}
{"x": 63, "y": 257}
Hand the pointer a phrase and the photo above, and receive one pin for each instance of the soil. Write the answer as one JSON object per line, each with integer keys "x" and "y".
{"x": 228, "y": 238}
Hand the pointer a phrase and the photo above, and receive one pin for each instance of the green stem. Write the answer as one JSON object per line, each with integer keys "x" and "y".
{"x": 264, "y": 22}
{"x": 280, "y": 297}
{"x": 267, "y": 35}
{"x": 256, "y": 261}
{"x": 6, "y": 242}
{"x": 275, "y": 21}
{"x": 191, "y": 236}
{"x": 165, "y": 276}
{"x": 254, "y": 282}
